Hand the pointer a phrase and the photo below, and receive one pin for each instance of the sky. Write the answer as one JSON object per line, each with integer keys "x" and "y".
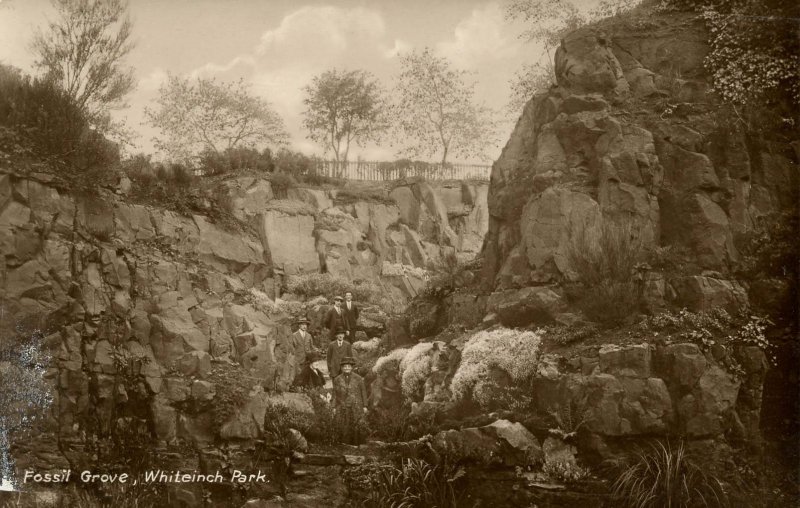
{"x": 278, "y": 46}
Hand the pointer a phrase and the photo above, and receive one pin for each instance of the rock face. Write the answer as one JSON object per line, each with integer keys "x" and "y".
{"x": 169, "y": 300}
{"x": 601, "y": 148}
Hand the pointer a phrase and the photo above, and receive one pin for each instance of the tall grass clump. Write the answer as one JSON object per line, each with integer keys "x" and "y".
{"x": 514, "y": 352}
{"x": 665, "y": 476}
{"x": 414, "y": 483}
{"x": 606, "y": 264}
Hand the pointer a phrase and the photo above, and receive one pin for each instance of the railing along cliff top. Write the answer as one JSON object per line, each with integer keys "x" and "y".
{"x": 387, "y": 171}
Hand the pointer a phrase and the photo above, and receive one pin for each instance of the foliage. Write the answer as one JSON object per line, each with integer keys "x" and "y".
{"x": 327, "y": 427}
{"x": 771, "y": 248}
{"x": 206, "y": 115}
{"x": 753, "y": 55}
{"x": 716, "y": 328}
{"x": 606, "y": 265}
{"x": 24, "y": 393}
{"x": 172, "y": 185}
{"x": 279, "y": 421}
{"x": 566, "y": 335}
{"x": 390, "y": 361}
{"x": 281, "y": 183}
{"x": 514, "y": 352}
{"x": 232, "y": 387}
{"x": 415, "y": 367}
{"x": 665, "y": 475}
{"x": 437, "y": 109}
{"x": 528, "y": 81}
{"x": 82, "y": 53}
{"x": 401, "y": 425}
{"x": 448, "y": 273}
{"x": 565, "y": 471}
{"x": 310, "y": 285}
{"x": 349, "y": 196}
{"x": 344, "y": 107}
{"x": 42, "y": 122}
{"x": 569, "y": 418}
{"x": 414, "y": 483}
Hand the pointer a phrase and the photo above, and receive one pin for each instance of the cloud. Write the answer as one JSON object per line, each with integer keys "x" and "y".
{"x": 153, "y": 81}
{"x": 400, "y": 47}
{"x": 316, "y": 32}
{"x": 483, "y": 35}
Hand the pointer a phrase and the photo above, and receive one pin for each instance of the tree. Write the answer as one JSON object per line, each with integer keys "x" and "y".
{"x": 548, "y": 22}
{"x": 437, "y": 110}
{"x": 344, "y": 107}
{"x": 206, "y": 115}
{"x": 83, "y": 51}
{"x": 526, "y": 82}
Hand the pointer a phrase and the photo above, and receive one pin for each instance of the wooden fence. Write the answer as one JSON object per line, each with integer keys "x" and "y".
{"x": 386, "y": 171}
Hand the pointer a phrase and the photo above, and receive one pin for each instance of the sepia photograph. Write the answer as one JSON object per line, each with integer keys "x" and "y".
{"x": 399, "y": 254}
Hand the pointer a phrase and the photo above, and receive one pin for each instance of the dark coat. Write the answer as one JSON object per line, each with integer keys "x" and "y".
{"x": 334, "y": 320}
{"x": 350, "y": 317}
{"x": 302, "y": 346}
{"x": 349, "y": 392}
{"x": 335, "y": 355}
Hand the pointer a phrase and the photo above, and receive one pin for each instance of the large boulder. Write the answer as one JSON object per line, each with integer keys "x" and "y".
{"x": 288, "y": 239}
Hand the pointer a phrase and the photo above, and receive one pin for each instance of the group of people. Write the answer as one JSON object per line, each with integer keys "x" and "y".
{"x": 349, "y": 392}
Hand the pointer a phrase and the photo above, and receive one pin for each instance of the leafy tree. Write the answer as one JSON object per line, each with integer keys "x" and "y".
{"x": 82, "y": 51}
{"x": 526, "y": 82}
{"x": 206, "y": 115}
{"x": 437, "y": 110}
{"x": 548, "y": 22}
{"x": 344, "y": 107}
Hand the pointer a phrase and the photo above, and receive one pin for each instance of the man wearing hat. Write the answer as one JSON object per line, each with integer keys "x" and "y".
{"x": 336, "y": 319}
{"x": 350, "y": 401}
{"x": 337, "y": 350}
{"x": 302, "y": 341}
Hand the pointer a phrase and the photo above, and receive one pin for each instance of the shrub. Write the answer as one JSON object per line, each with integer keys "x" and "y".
{"x": 415, "y": 367}
{"x": 512, "y": 351}
{"x": 606, "y": 267}
{"x": 310, "y": 285}
{"x": 564, "y": 471}
{"x": 350, "y": 196}
{"x": 44, "y": 120}
{"x": 390, "y": 361}
{"x": 414, "y": 483}
{"x": 666, "y": 476}
{"x": 281, "y": 183}
{"x": 771, "y": 249}
{"x": 232, "y": 387}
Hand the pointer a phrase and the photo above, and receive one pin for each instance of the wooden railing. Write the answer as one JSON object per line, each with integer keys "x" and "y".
{"x": 385, "y": 171}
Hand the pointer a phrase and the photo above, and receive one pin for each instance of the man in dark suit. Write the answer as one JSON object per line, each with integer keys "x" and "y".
{"x": 337, "y": 350}
{"x": 350, "y": 401}
{"x": 335, "y": 318}
{"x": 350, "y": 316}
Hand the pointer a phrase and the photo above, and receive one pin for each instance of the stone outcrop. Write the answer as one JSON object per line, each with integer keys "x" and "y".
{"x": 602, "y": 147}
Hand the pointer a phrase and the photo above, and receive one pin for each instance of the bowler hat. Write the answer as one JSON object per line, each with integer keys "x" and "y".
{"x": 339, "y": 330}
{"x": 348, "y": 360}
{"x": 303, "y": 320}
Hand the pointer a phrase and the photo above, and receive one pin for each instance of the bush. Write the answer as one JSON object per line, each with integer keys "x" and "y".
{"x": 414, "y": 483}
{"x": 771, "y": 249}
{"x": 666, "y": 476}
{"x": 606, "y": 267}
{"x": 281, "y": 183}
{"x": 42, "y": 119}
{"x": 512, "y": 351}
{"x": 415, "y": 367}
{"x": 350, "y": 196}
{"x": 310, "y": 285}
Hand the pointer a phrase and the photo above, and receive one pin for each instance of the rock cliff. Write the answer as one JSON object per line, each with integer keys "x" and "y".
{"x": 136, "y": 292}
{"x": 631, "y": 136}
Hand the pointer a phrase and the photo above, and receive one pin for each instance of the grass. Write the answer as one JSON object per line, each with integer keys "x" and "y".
{"x": 665, "y": 476}
{"x": 606, "y": 268}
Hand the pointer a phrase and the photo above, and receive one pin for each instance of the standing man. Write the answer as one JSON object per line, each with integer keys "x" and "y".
{"x": 302, "y": 341}
{"x": 335, "y": 318}
{"x": 338, "y": 349}
{"x": 350, "y": 316}
{"x": 350, "y": 401}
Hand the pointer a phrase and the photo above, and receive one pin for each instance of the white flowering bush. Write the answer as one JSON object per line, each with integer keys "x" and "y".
{"x": 513, "y": 351}
{"x": 415, "y": 368}
{"x": 390, "y": 361}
